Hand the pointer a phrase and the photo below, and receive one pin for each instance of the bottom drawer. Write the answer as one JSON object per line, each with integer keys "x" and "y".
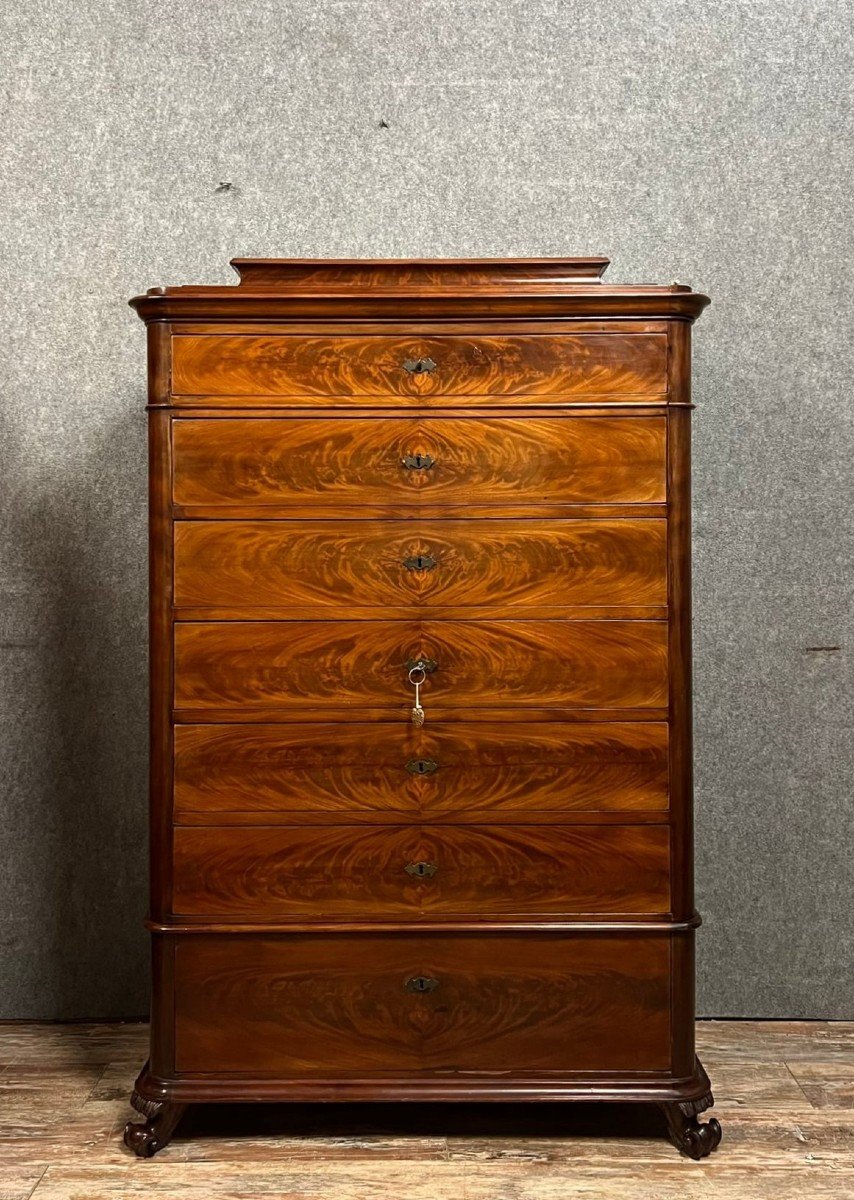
{"x": 334, "y": 1006}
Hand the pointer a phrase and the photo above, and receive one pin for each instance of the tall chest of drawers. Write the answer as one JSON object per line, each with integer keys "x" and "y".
{"x": 420, "y": 689}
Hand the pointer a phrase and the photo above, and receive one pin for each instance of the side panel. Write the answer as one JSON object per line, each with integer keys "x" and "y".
{"x": 679, "y": 654}
{"x": 160, "y": 619}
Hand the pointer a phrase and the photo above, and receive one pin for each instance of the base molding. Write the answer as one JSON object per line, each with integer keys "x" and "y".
{"x": 163, "y": 1101}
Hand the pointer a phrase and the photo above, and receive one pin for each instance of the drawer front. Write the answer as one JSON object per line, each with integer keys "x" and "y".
{"x": 481, "y": 665}
{"x": 338, "y": 1006}
{"x": 258, "y": 773}
{"x": 334, "y": 564}
{"x": 415, "y": 366}
{"x": 440, "y": 871}
{"x": 409, "y": 460}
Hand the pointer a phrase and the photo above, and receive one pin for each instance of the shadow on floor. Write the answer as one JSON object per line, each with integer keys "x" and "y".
{"x": 361, "y": 1121}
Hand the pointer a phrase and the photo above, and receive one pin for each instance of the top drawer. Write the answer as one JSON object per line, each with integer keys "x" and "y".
{"x": 358, "y": 366}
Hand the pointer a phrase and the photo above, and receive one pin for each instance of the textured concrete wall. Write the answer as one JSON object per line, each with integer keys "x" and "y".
{"x": 698, "y": 140}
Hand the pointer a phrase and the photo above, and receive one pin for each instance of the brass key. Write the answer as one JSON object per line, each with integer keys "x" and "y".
{"x": 417, "y": 711}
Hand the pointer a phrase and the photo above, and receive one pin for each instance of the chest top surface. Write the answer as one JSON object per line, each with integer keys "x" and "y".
{"x": 401, "y": 289}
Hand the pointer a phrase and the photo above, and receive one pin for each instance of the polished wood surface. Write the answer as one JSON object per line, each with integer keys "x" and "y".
{"x": 296, "y": 1005}
{"x": 355, "y": 466}
{"x": 454, "y": 870}
{"x": 303, "y": 275}
{"x": 382, "y": 563}
{"x": 481, "y": 665}
{"x": 259, "y": 773}
{"x": 784, "y": 1091}
{"x": 361, "y": 461}
{"x": 349, "y": 291}
{"x": 453, "y": 366}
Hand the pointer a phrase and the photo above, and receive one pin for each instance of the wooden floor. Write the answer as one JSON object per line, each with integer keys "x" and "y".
{"x": 785, "y": 1097}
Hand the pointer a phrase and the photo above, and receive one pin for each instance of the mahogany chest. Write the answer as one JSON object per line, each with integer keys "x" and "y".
{"x": 421, "y": 689}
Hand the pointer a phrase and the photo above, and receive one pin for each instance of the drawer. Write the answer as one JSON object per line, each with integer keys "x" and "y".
{"x": 334, "y": 564}
{"x": 341, "y": 1006}
{"x": 265, "y": 874}
{"x": 256, "y": 773}
{"x": 417, "y": 366}
{"x": 352, "y": 665}
{"x": 410, "y": 460}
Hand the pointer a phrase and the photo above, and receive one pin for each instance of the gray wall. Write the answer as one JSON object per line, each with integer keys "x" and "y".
{"x": 698, "y": 140}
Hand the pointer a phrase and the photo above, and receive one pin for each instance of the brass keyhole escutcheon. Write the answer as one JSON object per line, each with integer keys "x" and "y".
{"x": 422, "y": 766}
{"x": 420, "y": 984}
{"x": 418, "y": 462}
{"x": 419, "y": 366}
{"x": 421, "y": 870}
{"x": 420, "y": 562}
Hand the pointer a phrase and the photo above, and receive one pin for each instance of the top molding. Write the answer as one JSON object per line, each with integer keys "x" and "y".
{"x": 349, "y": 289}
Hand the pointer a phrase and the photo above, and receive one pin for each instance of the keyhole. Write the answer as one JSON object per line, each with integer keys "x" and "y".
{"x": 422, "y": 766}
{"x": 421, "y": 983}
{"x": 418, "y": 366}
{"x": 418, "y": 461}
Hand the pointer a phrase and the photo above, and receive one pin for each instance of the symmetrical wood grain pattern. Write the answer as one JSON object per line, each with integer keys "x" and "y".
{"x": 381, "y": 563}
{"x": 254, "y": 461}
{"x": 356, "y": 466}
{"x": 461, "y": 366}
{"x": 494, "y": 871}
{"x": 481, "y": 665}
{"x": 477, "y": 771}
{"x": 526, "y": 1003}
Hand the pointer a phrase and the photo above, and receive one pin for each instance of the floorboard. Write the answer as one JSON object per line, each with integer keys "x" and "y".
{"x": 784, "y": 1092}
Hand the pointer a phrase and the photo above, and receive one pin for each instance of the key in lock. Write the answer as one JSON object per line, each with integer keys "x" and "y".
{"x": 417, "y": 675}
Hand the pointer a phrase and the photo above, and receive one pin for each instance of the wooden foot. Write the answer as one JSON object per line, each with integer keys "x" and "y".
{"x": 695, "y": 1138}
{"x": 156, "y": 1132}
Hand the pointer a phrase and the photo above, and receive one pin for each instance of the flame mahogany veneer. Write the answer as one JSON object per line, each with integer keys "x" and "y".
{"x": 354, "y": 466}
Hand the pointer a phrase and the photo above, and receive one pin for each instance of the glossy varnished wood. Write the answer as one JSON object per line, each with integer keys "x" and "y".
{"x": 519, "y": 1003}
{"x": 543, "y": 517}
{"x": 481, "y": 665}
{"x": 259, "y": 461}
{"x": 679, "y": 625}
{"x": 160, "y": 641}
{"x": 476, "y": 771}
{"x": 357, "y": 366}
{"x": 379, "y": 564}
{"x": 407, "y": 293}
{"x": 416, "y": 510}
{"x": 494, "y": 871}
{"x": 325, "y": 276}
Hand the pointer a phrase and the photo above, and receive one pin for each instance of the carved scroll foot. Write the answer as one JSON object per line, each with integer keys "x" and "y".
{"x": 156, "y": 1132}
{"x": 695, "y": 1138}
